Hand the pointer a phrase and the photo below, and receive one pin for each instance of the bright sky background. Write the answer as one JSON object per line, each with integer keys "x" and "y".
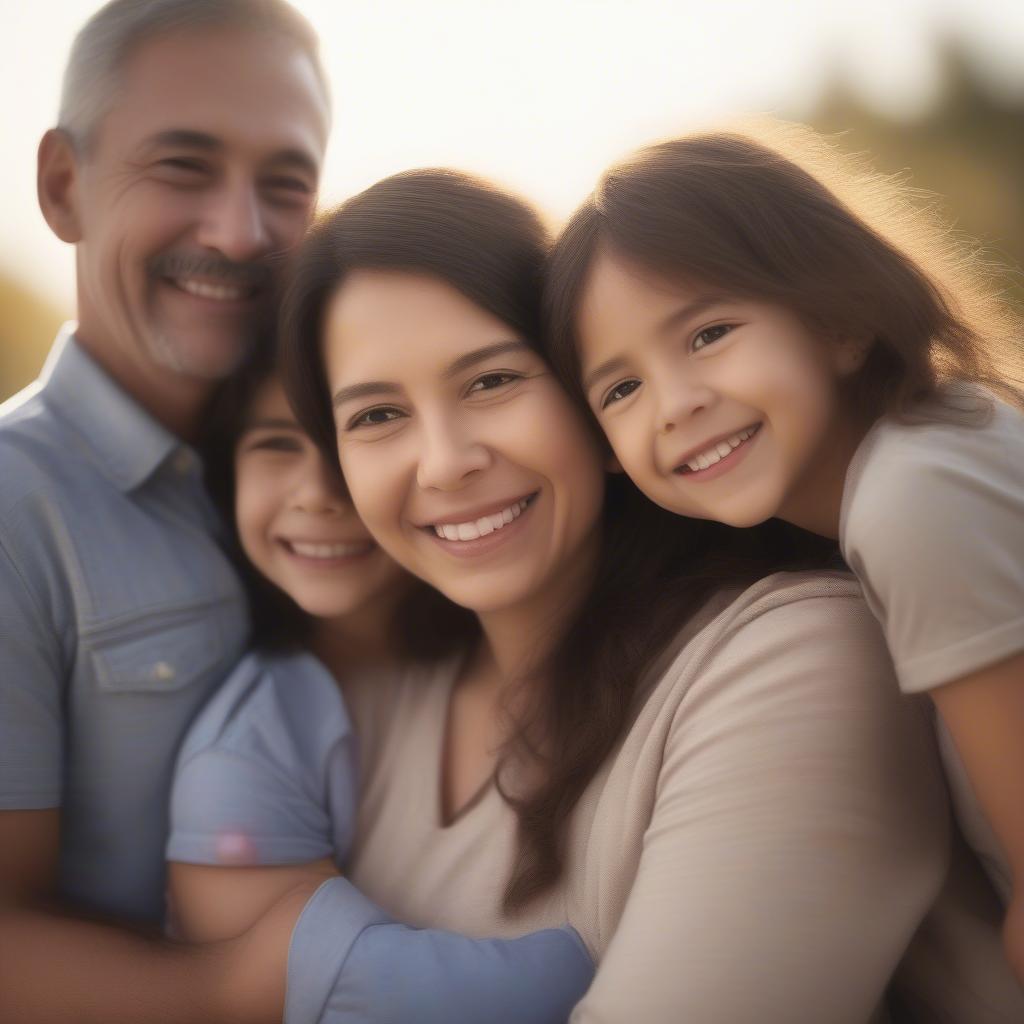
{"x": 540, "y": 94}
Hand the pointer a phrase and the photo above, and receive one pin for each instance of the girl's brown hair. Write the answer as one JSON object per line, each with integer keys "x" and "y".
{"x": 654, "y": 570}
{"x": 789, "y": 220}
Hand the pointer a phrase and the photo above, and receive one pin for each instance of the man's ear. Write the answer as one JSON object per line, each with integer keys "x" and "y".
{"x": 56, "y": 185}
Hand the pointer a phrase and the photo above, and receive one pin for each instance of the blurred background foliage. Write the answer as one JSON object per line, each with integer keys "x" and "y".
{"x": 967, "y": 150}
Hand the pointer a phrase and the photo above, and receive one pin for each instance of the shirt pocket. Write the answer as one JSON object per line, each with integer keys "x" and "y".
{"x": 159, "y": 653}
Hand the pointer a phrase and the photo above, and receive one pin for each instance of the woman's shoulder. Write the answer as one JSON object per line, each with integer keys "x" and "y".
{"x": 771, "y": 630}
{"x": 267, "y": 699}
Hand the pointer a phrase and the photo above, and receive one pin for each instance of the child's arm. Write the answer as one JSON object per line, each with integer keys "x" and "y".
{"x": 984, "y": 713}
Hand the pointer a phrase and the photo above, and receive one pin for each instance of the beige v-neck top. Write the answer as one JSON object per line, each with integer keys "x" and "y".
{"x": 761, "y": 848}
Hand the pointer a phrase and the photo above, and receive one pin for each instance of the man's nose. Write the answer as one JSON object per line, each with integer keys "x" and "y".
{"x": 235, "y": 224}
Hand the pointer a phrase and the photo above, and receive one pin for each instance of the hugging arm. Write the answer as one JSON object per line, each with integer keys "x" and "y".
{"x": 345, "y": 959}
{"x": 797, "y": 838}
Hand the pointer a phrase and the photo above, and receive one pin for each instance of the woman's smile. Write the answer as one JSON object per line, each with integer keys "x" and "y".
{"x": 465, "y": 458}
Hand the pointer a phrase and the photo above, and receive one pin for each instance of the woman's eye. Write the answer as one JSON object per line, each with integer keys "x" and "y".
{"x": 619, "y": 392}
{"x": 374, "y": 417}
{"x": 710, "y": 335}
{"x": 490, "y": 381}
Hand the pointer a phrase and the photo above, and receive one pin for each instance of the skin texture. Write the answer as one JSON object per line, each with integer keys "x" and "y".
{"x": 444, "y": 416}
{"x": 670, "y": 369}
{"x": 203, "y": 170}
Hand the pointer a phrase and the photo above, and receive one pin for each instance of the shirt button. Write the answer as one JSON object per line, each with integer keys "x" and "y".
{"x": 162, "y": 672}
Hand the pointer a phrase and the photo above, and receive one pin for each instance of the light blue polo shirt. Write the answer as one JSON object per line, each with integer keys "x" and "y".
{"x": 119, "y": 614}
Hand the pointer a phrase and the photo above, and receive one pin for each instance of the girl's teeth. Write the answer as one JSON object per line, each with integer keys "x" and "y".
{"x": 327, "y": 550}
{"x": 480, "y": 527}
{"x": 719, "y": 452}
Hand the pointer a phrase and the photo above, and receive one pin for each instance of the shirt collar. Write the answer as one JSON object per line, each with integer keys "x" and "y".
{"x": 126, "y": 442}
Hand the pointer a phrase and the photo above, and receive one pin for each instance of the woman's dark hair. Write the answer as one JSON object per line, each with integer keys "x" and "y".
{"x": 843, "y": 248}
{"x": 654, "y": 569}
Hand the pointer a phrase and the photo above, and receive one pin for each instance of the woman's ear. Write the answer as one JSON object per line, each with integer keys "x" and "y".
{"x": 56, "y": 180}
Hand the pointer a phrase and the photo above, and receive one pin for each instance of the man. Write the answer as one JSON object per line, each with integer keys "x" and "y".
{"x": 185, "y": 160}
{"x": 184, "y": 165}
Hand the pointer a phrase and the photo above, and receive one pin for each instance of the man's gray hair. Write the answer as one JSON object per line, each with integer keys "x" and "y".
{"x": 110, "y": 36}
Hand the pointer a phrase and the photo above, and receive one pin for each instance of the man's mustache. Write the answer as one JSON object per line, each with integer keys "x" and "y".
{"x": 254, "y": 274}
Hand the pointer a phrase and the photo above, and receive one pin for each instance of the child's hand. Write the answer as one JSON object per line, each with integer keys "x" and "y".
{"x": 1013, "y": 937}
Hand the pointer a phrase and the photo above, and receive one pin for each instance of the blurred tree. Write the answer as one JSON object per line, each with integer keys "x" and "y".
{"x": 28, "y": 325}
{"x": 968, "y": 150}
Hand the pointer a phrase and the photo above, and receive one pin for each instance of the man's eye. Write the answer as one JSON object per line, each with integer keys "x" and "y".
{"x": 619, "y": 392}
{"x": 287, "y": 190}
{"x": 374, "y": 417}
{"x": 182, "y": 164}
{"x": 710, "y": 335}
{"x": 490, "y": 381}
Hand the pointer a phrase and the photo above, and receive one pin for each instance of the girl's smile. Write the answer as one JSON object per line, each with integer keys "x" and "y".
{"x": 718, "y": 407}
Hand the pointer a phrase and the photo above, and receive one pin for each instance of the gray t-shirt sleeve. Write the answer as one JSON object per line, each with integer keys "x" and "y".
{"x": 933, "y": 527}
{"x": 267, "y": 773}
{"x": 31, "y": 687}
{"x": 350, "y": 963}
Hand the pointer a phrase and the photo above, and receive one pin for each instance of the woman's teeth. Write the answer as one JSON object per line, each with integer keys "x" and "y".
{"x": 719, "y": 451}
{"x": 482, "y": 526}
{"x": 299, "y": 547}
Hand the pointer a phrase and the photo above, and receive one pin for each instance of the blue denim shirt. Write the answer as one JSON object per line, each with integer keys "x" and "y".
{"x": 119, "y": 614}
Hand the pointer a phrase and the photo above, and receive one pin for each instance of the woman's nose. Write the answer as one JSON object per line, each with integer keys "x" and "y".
{"x": 450, "y": 454}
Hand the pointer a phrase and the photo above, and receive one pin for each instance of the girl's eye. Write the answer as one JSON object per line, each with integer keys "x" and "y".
{"x": 276, "y": 444}
{"x": 621, "y": 390}
{"x": 710, "y": 335}
{"x": 490, "y": 381}
{"x": 375, "y": 417}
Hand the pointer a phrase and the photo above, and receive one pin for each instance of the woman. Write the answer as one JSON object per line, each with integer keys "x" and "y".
{"x": 719, "y": 785}
{"x": 328, "y": 605}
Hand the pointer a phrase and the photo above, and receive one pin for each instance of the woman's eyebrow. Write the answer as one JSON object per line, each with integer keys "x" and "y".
{"x": 486, "y": 352}
{"x": 370, "y": 387}
{"x": 457, "y": 366}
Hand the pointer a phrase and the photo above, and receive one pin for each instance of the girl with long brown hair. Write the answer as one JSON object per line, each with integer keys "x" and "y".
{"x": 763, "y": 335}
